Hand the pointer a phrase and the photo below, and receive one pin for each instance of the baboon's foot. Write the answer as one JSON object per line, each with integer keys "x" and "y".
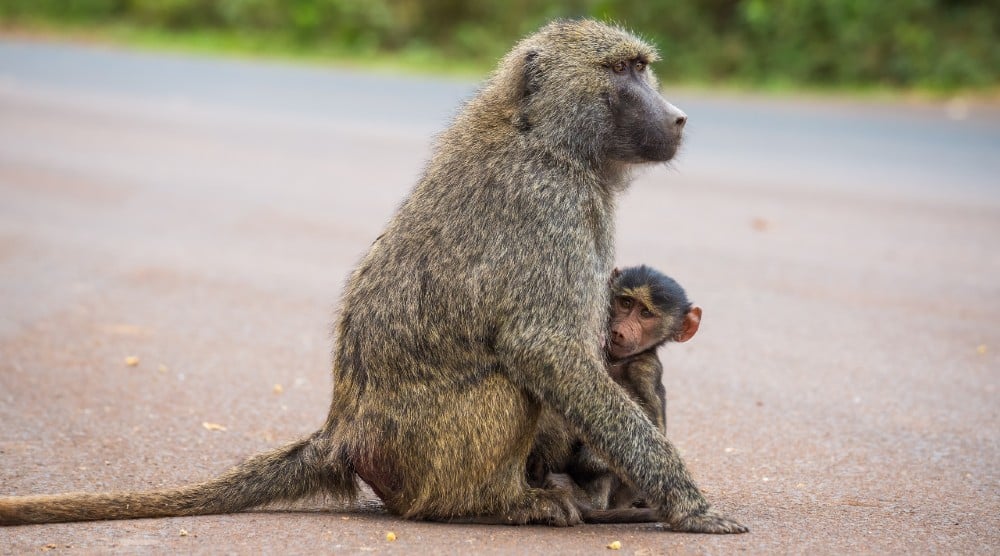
{"x": 710, "y": 521}
{"x": 538, "y": 507}
{"x": 546, "y": 507}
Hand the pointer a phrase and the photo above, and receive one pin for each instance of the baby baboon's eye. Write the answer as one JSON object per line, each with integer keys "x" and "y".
{"x": 619, "y": 67}
{"x": 640, "y": 65}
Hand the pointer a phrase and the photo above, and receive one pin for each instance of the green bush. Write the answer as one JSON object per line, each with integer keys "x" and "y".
{"x": 940, "y": 44}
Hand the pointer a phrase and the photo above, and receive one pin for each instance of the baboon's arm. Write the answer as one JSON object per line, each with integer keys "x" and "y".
{"x": 570, "y": 377}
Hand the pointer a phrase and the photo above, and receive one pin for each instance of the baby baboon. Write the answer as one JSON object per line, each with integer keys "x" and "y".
{"x": 476, "y": 308}
{"x": 647, "y": 310}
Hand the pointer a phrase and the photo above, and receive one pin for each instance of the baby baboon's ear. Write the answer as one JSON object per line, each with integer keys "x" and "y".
{"x": 614, "y": 276}
{"x": 692, "y": 320}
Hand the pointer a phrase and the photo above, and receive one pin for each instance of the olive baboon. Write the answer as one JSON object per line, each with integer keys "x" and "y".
{"x": 478, "y": 306}
{"x": 648, "y": 309}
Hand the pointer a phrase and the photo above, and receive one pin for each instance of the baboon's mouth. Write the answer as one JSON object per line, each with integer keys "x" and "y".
{"x": 615, "y": 348}
{"x": 658, "y": 149}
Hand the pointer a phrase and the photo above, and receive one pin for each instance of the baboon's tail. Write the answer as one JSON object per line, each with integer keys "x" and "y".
{"x": 302, "y": 468}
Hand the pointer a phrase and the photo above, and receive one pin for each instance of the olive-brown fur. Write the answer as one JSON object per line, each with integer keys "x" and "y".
{"x": 480, "y": 304}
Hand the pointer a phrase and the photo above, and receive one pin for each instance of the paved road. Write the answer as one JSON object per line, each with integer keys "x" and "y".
{"x": 202, "y": 216}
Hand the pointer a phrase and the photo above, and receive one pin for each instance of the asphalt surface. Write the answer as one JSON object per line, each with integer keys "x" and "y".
{"x": 202, "y": 216}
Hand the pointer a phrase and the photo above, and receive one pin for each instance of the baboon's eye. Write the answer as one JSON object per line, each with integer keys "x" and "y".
{"x": 619, "y": 67}
{"x": 640, "y": 65}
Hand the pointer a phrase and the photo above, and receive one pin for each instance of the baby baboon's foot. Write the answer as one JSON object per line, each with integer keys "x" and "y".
{"x": 710, "y": 521}
{"x": 547, "y": 507}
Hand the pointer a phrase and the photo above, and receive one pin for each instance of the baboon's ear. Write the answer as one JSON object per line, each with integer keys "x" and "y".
{"x": 527, "y": 83}
{"x": 614, "y": 276}
{"x": 531, "y": 74}
{"x": 692, "y": 320}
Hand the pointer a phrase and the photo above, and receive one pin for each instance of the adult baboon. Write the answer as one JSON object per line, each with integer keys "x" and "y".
{"x": 479, "y": 304}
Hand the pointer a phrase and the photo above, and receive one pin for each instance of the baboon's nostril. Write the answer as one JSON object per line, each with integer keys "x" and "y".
{"x": 681, "y": 121}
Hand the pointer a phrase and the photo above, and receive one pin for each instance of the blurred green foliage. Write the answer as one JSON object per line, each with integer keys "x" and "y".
{"x": 934, "y": 44}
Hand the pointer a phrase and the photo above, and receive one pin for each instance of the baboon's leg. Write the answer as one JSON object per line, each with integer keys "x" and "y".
{"x": 453, "y": 457}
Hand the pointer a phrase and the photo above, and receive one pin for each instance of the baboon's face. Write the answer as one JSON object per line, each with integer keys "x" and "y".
{"x": 647, "y": 127}
{"x": 647, "y": 310}
{"x": 635, "y": 327}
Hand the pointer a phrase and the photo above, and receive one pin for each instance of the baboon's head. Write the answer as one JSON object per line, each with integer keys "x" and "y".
{"x": 587, "y": 87}
{"x": 648, "y": 308}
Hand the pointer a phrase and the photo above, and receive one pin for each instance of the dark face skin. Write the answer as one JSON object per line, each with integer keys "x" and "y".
{"x": 647, "y": 127}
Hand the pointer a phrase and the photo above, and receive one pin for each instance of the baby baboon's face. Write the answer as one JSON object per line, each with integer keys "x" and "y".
{"x": 635, "y": 327}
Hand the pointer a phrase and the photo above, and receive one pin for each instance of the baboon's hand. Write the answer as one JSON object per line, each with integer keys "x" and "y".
{"x": 710, "y": 521}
